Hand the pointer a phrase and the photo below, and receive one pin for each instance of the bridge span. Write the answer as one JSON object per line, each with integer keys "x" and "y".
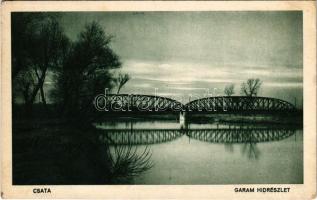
{"x": 212, "y": 105}
{"x": 219, "y": 104}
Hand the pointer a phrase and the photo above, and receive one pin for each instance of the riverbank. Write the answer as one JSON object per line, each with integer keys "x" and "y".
{"x": 197, "y": 118}
{"x": 52, "y": 152}
{"x": 261, "y": 119}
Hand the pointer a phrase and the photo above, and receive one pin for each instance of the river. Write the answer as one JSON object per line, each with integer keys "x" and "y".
{"x": 211, "y": 153}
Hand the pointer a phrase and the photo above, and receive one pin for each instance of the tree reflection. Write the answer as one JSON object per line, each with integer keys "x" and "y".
{"x": 229, "y": 147}
{"x": 127, "y": 161}
{"x": 251, "y": 150}
{"x": 249, "y": 147}
{"x": 247, "y": 137}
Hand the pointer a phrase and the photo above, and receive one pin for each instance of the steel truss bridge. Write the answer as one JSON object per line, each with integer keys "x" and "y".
{"x": 219, "y": 104}
{"x": 226, "y": 136}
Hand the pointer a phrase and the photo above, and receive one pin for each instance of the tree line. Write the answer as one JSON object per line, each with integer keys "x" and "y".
{"x": 80, "y": 69}
{"x": 249, "y": 88}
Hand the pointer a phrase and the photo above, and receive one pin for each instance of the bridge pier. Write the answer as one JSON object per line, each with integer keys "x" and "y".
{"x": 183, "y": 120}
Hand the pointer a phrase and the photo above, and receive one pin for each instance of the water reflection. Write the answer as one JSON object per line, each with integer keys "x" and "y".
{"x": 251, "y": 150}
{"x": 163, "y": 153}
{"x": 240, "y": 135}
{"x": 225, "y": 135}
{"x": 127, "y": 162}
{"x": 139, "y": 136}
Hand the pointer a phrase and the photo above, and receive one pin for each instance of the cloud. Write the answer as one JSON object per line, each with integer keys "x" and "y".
{"x": 180, "y": 52}
{"x": 182, "y": 79}
{"x": 187, "y": 73}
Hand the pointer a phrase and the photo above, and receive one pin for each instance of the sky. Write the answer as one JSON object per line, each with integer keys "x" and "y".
{"x": 182, "y": 53}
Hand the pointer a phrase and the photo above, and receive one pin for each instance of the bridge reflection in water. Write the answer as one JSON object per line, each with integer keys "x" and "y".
{"x": 240, "y": 135}
{"x": 225, "y": 135}
{"x": 139, "y": 136}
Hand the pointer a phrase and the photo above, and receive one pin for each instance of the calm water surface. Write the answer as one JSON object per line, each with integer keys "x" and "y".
{"x": 210, "y": 154}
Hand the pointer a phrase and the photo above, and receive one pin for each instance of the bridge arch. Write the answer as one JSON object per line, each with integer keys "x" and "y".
{"x": 222, "y": 104}
{"x": 140, "y": 103}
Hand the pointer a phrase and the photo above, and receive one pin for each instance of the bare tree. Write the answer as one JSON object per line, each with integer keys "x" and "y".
{"x": 37, "y": 40}
{"x": 229, "y": 90}
{"x": 49, "y": 42}
{"x": 122, "y": 80}
{"x": 251, "y": 87}
{"x": 38, "y": 51}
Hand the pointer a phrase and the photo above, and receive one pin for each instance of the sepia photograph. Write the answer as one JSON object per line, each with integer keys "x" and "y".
{"x": 158, "y": 97}
{"x": 185, "y": 96}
